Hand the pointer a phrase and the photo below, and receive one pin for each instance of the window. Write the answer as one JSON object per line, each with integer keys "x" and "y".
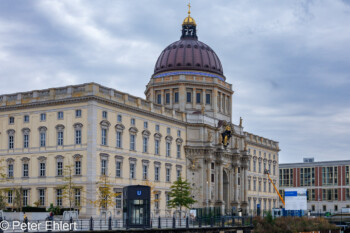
{"x": 249, "y": 184}
{"x": 25, "y": 170}
{"x": 156, "y": 173}
{"x": 78, "y": 136}
{"x": 77, "y": 167}
{"x": 60, "y": 138}
{"x": 167, "y": 98}
{"x": 313, "y": 208}
{"x": 254, "y": 165}
{"x": 254, "y": 185}
{"x": 119, "y": 139}
{"x": 25, "y": 197}
{"x": 347, "y": 168}
{"x": 156, "y": 201}
{"x": 25, "y": 140}
{"x": 78, "y": 113}
{"x": 26, "y": 118}
{"x": 59, "y": 197}
{"x": 156, "y": 146}
{"x": 168, "y": 130}
{"x": 307, "y": 176}
{"x": 118, "y": 200}
{"x": 145, "y": 124}
{"x": 104, "y": 137}
{"x": 274, "y": 170}
{"x": 189, "y": 97}
{"x": 324, "y": 208}
{"x": 132, "y": 171}
{"x": 335, "y": 207}
{"x": 259, "y": 167}
{"x": 176, "y": 97}
{"x": 132, "y": 142}
{"x": 167, "y": 177}
{"x": 159, "y": 99}
{"x": 286, "y": 177}
{"x": 329, "y": 175}
{"x": 198, "y": 98}
{"x": 43, "y": 117}
{"x": 103, "y": 167}
{"x": 42, "y": 169}
{"x": 77, "y": 197}
{"x": 10, "y": 171}
{"x": 119, "y": 118}
{"x": 178, "y": 151}
{"x": 145, "y": 172}
{"x": 132, "y": 121}
{"x": 42, "y": 197}
{"x": 104, "y": 114}
{"x": 168, "y": 149}
{"x": 145, "y": 144}
{"x": 167, "y": 198}
{"x": 11, "y": 120}
{"x": 11, "y": 141}
{"x": 207, "y": 98}
{"x": 60, "y": 115}
{"x": 118, "y": 171}
{"x": 178, "y": 173}
{"x": 212, "y": 178}
{"x": 9, "y": 197}
{"x": 42, "y": 139}
{"x": 59, "y": 168}
{"x": 157, "y": 128}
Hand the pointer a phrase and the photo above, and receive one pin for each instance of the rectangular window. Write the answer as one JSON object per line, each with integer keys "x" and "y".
{"x": 26, "y": 118}
{"x": 77, "y": 197}
{"x": 78, "y": 113}
{"x": 189, "y": 97}
{"x": 156, "y": 173}
{"x": 42, "y": 139}
{"x": 43, "y": 117}
{"x": 11, "y": 141}
{"x": 145, "y": 124}
{"x": 103, "y": 167}
{"x": 329, "y": 175}
{"x": 59, "y": 197}
{"x": 60, "y": 115}
{"x": 167, "y": 98}
{"x": 77, "y": 167}
{"x": 60, "y": 138}
{"x": 11, "y": 120}
{"x": 178, "y": 174}
{"x": 25, "y": 170}
{"x": 25, "y": 197}
{"x": 167, "y": 177}
{"x": 119, "y": 139}
{"x": 59, "y": 168}
{"x": 168, "y": 130}
{"x": 118, "y": 171}
{"x": 156, "y": 201}
{"x": 156, "y": 147}
{"x": 179, "y": 133}
{"x": 10, "y": 171}
{"x": 176, "y": 97}
{"x": 42, "y": 197}
{"x": 119, "y": 118}
{"x": 104, "y": 137}
{"x": 132, "y": 121}
{"x": 26, "y": 140}
{"x": 168, "y": 149}
{"x": 307, "y": 176}
{"x": 118, "y": 200}
{"x": 77, "y": 136}
{"x": 157, "y": 128}
{"x": 212, "y": 178}
{"x": 104, "y": 114}
{"x": 145, "y": 144}
{"x": 145, "y": 172}
{"x": 132, "y": 171}
{"x": 207, "y": 98}
{"x": 198, "y": 97}
{"x": 347, "y": 177}
{"x": 9, "y": 197}
{"x": 42, "y": 171}
{"x": 132, "y": 142}
{"x": 159, "y": 99}
{"x": 167, "y": 197}
{"x": 178, "y": 151}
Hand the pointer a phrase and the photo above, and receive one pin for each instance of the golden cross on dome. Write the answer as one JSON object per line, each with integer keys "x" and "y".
{"x": 189, "y": 8}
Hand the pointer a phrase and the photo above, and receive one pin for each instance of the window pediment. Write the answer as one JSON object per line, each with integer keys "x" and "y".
{"x": 146, "y": 133}
{"x": 59, "y": 157}
{"x": 42, "y": 129}
{"x": 25, "y": 159}
{"x": 11, "y": 132}
{"x": 105, "y": 124}
{"x": 119, "y": 127}
{"x": 133, "y": 130}
{"x": 168, "y": 138}
{"x": 42, "y": 158}
{"x": 78, "y": 125}
{"x": 10, "y": 160}
{"x": 26, "y": 130}
{"x": 59, "y": 127}
{"x": 179, "y": 141}
{"x": 157, "y": 136}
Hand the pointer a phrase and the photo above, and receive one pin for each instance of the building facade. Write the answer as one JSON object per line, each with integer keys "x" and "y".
{"x": 176, "y": 131}
{"x": 327, "y": 183}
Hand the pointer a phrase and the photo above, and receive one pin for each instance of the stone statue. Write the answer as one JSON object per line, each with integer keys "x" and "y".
{"x": 240, "y": 121}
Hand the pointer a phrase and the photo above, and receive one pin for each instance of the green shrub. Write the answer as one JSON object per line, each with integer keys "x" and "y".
{"x": 33, "y": 209}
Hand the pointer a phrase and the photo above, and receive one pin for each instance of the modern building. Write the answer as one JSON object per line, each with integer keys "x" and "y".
{"x": 327, "y": 183}
{"x": 175, "y": 131}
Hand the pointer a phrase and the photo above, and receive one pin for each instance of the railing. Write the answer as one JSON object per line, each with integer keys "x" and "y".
{"x": 115, "y": 224}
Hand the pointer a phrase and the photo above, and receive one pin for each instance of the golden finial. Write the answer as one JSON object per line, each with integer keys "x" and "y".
{"x": 189, "y": 9}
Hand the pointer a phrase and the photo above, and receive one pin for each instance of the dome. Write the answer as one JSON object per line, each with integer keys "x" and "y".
{"x": 189, "y": 20}
{"x": 188, "y": 54}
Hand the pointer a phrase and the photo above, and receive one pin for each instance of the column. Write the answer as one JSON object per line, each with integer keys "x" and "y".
{"x": 182, "y": 97}
{"x": 171, "y": 96}
{"x": 236, "y": 184}
{"x": 162, "y": 97}
{"x": 194, "y": 98}
{"x": 245, "y": 184}
{"x": 208, "y": 182}
{"x": 214, "y": 102}
{"x": 221, "y": 186}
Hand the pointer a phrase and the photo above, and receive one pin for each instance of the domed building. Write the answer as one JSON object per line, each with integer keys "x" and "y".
{"x": 183, "y": 128}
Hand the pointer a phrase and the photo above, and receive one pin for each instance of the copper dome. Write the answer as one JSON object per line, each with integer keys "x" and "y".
{"x": 188, "y": 54}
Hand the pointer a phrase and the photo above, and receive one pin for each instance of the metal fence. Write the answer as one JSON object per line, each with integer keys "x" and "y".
{"x": 119, "y": 224}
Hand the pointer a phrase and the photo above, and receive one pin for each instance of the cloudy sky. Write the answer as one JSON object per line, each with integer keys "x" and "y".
{"x": 288, "y": 61}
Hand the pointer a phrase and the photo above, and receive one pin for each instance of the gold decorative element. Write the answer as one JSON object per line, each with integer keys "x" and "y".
{"x": 189, "y": 9}
{"x": 189, "y": 20}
